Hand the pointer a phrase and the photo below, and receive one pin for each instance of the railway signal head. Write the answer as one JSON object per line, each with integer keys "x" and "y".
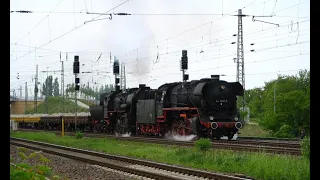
{"x": 76, "y": 67}
{"x": 184, "y": 60}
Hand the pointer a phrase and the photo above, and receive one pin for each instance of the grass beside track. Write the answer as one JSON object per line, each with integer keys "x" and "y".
{"x": 54, "y": 106}
{"x": 256, "y": 165}
{"x": 253, "y": 130}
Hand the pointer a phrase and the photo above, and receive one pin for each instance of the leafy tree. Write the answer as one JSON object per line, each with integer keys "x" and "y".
{"x": 70, "y": 90}
{"x": 47, "y": 87}
{"x": 254, "y": 101}
{"x": 282, "y": 105}
{"x": 44, "y": 89}
{"x": 56, "y": 88}
{"x": 87, "y": 91}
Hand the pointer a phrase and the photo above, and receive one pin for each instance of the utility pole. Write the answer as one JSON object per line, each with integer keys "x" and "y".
{"x": 36, "y": 91}
{"x": 240, "y": 57}
{"x": 62, "y": 83}
{"x": 240, "y": 52}
{"x": 274, "y": 96}
{"x": 26, "y": 98}
{"x": 20, "y": 90}
{"x": 62, "y": 91}
{"x": 47, "y": 93}
{"x": 123, "y": 77}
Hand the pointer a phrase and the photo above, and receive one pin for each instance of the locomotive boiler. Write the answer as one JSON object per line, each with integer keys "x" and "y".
{"x": 208, "y": 107}
{"x": 218, "y": 112}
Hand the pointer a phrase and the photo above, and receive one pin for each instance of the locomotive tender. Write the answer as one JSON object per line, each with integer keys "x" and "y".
{"x": 205, "y": 107}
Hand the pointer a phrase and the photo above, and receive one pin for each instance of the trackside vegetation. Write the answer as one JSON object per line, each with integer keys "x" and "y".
{"x": 24, "y": 170}
{"x": 203, "y": 144}
{"x": 252, "y": 164}
{"x": 305, "y": 147}
{"x": 282, "y": 106}
{"x": 254, "y": 130}
{"x": 54, "y": 106}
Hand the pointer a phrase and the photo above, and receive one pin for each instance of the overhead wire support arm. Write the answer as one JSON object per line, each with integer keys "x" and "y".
{"x": 263, "y": 21}
{"x": 116, "y": 14}
{"x": 110, "y": 14}
{"x": 52, "y": 71}
{"x": 21, "y": 11}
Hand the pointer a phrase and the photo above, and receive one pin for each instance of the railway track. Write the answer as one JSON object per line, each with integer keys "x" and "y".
{"x": 239, "y": 138}
{"x": 242, "y": 145}
{"x": 232, "y": 145}
{"x": 133, "y": 166}
{"x": 269, "y": 139}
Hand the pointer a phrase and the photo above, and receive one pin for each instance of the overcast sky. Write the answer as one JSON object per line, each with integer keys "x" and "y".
{"x": 281, "y": 43}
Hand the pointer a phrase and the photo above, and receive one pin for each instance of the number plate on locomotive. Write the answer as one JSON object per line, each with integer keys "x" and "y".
{"x": 222, "y": 101}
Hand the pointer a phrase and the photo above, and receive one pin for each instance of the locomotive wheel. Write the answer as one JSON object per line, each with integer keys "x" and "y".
{"x": 179, "y": 127}
{"x": 122, "y": 126}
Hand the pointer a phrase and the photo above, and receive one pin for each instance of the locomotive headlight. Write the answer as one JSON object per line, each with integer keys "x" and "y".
{"x": 236, "y": 119}
{"x": 211, "y": 118}
{"x": 222, "y": 88}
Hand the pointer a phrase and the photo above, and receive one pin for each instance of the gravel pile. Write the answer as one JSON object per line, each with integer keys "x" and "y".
{"x": 70, "y": 169}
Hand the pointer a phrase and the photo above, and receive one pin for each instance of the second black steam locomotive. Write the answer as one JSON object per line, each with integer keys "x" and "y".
{"x": 205, "y": 107}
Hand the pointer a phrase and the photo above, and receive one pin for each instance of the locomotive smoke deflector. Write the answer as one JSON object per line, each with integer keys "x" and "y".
{"x": 238, "y": 88}
{"x": 198, "y": 90}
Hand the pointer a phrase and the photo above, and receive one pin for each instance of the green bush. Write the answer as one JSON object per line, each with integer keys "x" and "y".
{"x": 285, "y": 131}
{"x": 203, "y": 144}
{"x": 79, "y": 135}
{"x": 305, "y": 147}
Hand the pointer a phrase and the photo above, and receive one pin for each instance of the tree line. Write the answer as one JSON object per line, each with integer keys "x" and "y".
{"x": 50, "y": 88}
{"x": 89, "y": 91}
{"x": 282, "y": 106}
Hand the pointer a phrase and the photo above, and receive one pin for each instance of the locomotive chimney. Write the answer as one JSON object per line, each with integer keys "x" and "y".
{"x": 142, "y": 86}
{"x": 215, "y": 77}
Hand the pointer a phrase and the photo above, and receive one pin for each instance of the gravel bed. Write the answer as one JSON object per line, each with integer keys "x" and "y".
{"x": 70, "y": 169}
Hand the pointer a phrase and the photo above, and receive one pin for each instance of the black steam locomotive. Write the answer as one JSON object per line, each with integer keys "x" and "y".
{"x": 205, "y": 107}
